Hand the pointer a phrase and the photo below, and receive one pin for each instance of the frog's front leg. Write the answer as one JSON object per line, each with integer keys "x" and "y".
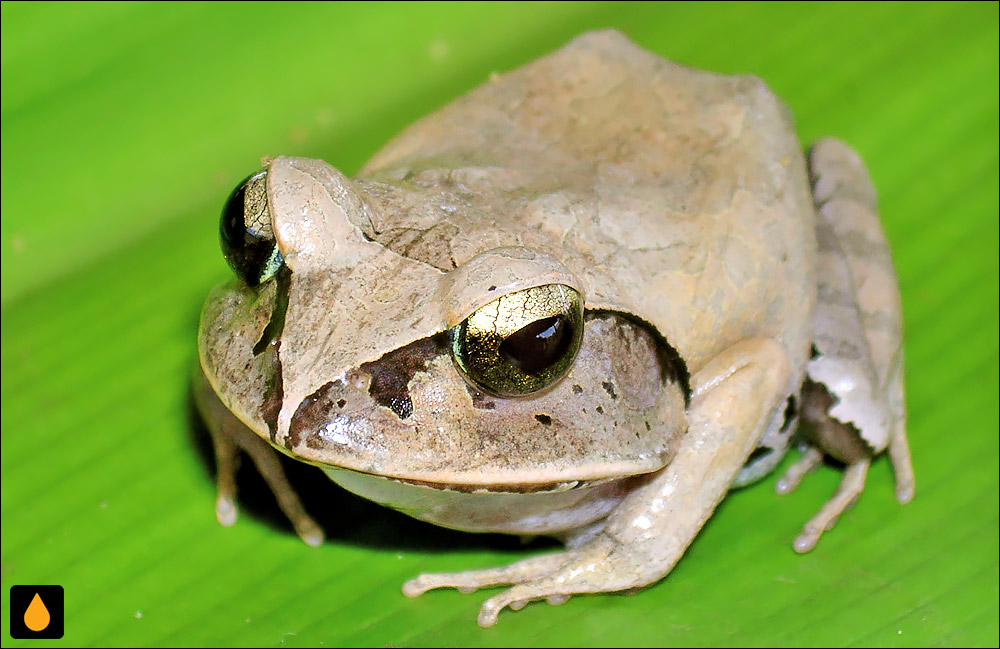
{"x": 734, "y": 397}
{"x": 852, "y": 401}
{"x": 229, "y": 437}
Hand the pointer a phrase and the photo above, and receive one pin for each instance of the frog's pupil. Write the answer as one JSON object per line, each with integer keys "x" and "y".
{"x": 538, "y": 345}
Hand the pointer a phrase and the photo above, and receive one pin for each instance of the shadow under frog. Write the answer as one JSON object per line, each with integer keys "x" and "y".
{"x": 371, "y": 525}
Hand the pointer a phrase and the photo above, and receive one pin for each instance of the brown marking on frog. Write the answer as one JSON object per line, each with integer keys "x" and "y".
{"x": 391, "y": 374}
{"x": 313, "y": 413}
{"x": 273, "y": 396}
{"x": 837, "y": 439}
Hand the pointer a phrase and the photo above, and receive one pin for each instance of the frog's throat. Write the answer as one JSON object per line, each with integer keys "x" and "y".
{"x": 516, "y": 488}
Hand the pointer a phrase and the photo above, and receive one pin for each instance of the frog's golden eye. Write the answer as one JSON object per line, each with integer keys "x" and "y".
{"x": 245, "y": 232}
{"x": 522, "y": 342}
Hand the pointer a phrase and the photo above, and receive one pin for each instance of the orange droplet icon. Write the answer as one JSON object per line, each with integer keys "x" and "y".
{"x": 36, "y": 617}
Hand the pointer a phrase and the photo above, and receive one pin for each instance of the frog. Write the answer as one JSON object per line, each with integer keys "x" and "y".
{"x": 585, "y": 300}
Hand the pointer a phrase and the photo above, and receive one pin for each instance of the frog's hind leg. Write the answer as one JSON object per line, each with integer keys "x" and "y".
{"x": 229, "y": 437}
{"x": 852, "y": 400}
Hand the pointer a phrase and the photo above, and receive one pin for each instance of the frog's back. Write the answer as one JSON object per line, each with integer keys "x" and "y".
{"x": 601, "y": 110}
{"x": 680, "y": 196}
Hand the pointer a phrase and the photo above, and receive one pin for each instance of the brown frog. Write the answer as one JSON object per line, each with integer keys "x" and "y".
{"x": 585, "y": 300}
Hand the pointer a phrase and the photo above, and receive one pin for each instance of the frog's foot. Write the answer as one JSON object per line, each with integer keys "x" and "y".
{"x": 827, "y": 436}
{"x": 841, "y": 441}
{"x": 600, "y": 565}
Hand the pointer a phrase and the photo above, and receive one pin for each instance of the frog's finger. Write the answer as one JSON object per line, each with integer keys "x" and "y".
{"x": 551, "y": 589}
{"x": 270, "y": 469}
{"x": 602, "y": 565}
{"x": 577, "y": 577}
{"x": 226, "y": 462}
{"x": 516, "y": 598}
{"x": 470, "y": 580}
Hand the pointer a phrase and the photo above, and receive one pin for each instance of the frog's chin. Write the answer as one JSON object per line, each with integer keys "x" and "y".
{"x": 515, "y": 509}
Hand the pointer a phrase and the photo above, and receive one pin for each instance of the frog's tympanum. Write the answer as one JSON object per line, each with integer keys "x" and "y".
{"x": 585, "y": 300}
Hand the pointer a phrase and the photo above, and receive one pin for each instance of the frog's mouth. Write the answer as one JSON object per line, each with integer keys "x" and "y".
{"x": 513, "y": 483}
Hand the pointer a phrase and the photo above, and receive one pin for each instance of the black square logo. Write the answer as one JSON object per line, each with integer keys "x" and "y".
{"x": 36, "y": 612}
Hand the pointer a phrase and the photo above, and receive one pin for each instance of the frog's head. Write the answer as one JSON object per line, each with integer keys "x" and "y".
{"x": 491, "y": 376}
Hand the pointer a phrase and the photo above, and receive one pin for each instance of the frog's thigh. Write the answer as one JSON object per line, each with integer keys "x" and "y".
{"x": 849, "y": 218}
{"x": 229, "y": 436}
{"x": 734, "y": 397}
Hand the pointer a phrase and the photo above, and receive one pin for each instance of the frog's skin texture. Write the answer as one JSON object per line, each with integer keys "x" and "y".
{"x": 725, "y": 292}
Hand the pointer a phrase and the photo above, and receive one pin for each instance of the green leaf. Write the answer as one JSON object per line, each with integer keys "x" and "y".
{"x": 124, "y": 126}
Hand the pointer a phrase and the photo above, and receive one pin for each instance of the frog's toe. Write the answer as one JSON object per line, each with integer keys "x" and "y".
{"x": 471, "y": 580}
{"x": 904, "y": 492}
{"x": 902, "y": 467}
{"x": 226, "y": 463}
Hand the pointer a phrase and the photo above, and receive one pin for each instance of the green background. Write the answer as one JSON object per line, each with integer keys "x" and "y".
{"x": 126, "y": 125}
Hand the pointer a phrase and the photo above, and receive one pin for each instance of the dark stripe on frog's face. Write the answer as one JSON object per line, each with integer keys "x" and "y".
{"x": 273, "y": 397}
{"x": 270, "y": 344}
{"x": 391, "y": 374}
{"x": 276, "y": 325}
{"x": 389, "y": 386}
